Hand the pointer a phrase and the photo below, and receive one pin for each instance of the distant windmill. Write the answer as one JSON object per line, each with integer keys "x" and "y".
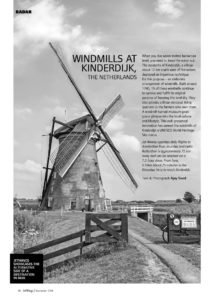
{"x": 74, "y": 177}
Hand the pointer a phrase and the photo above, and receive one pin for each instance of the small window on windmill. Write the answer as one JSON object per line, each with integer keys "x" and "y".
{"x": 73, "y": 204}
{"x": 87, "y": 198}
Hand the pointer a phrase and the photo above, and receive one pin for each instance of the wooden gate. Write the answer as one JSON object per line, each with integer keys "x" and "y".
{"x": 113, "y": 232}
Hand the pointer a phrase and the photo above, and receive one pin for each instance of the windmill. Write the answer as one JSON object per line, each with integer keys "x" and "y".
{"x": 72, "y": 175}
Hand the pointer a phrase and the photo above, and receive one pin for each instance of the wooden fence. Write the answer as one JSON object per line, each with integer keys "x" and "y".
{"x": 112, "y": 231}
{"x": 112, "y": 234}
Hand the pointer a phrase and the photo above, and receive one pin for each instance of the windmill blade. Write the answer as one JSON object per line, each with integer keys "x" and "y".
{"x": 119, "y": 158}
{"x": 70, "y": 149}
{"x": 109, "y": 154}
{"x": 115, "y": 106}
{"x": 48, "y": 158}
{"x": 88, "y": 107}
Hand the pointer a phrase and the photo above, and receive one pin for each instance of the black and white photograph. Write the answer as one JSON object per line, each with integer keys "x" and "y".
{"x": 107, "y": 150}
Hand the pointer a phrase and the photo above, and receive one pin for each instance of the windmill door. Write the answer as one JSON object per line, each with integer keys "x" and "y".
{"x": 87, "y": 202}
{"x": 73, "y": 204}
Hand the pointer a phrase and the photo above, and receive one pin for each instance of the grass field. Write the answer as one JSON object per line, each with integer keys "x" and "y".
{"x": 125, "y": 265}
{"x": 52, "y": 225}
{"x": 181, "y": 208}
{"x": 49, "y": 225}
{"x": 102, "y": 264}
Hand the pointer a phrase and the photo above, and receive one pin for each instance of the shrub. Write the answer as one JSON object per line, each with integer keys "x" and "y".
{"x": 24, "y": 221}
{"x": 189, "y": 197}
{"x": 28, "y": 229}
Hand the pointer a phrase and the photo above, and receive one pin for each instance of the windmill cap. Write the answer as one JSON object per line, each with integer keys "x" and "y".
{"x": 64, "y": 129}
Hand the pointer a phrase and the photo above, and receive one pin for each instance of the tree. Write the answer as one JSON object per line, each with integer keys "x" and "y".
{"x": 199, "y": 198}
{"x": 149, "y": 201}
{"x": 189, "y": 197}
{"x": 178, "y": 201}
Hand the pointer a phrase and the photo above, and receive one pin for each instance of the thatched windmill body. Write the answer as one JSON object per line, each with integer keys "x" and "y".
{"x": 72, "y": 174}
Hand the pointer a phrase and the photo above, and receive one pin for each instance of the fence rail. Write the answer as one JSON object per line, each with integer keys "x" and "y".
{"x": 141, "y": 208}
{"x": 132, "y": 208}
{"x": 55, "y": 242}
{"x": 112, "y": 234}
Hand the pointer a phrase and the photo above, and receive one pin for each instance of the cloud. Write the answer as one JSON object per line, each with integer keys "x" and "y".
{"x": 22, "y": 112}
{"x": 162, "y": 25}
{"x": 122, "y": 140}
{"x": 77, "y": 13}
{"x": 58, "y": 111}
{"x": 117, "y": 123}
{"x": 48, "y": 23}
{"x": 28, "y": 166}
{"x": 126, "y": 142}
{"x": 170, "y": 8}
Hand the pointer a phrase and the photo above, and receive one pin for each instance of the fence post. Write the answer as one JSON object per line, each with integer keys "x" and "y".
{"x": 81, "y": 246}
{"x": 199, "y": 224}
{"x": 169, "y": 239}
{"x": 88, "y": 228}
{"x": 124, "y": 226}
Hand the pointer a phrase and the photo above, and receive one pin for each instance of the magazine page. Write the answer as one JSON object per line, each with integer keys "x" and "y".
{"x": 106, "y": 144}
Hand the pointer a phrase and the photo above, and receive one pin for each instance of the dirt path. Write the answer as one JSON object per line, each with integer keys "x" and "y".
{"x": 185, "y": 271}
{"x": 191, "y": 252}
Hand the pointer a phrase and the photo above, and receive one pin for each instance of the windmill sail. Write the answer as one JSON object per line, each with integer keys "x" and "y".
{"x": 120, "y": 160}
{"x": 70, "y": 142}
{"x": 119, "y": 168}
{"x": 88, "y": 107}
{"x": 70, "y": 148}
{"x": 113, "y": 109}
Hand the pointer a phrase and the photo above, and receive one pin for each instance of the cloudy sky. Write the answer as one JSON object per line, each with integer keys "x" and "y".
{"x": 41, "y": 89}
